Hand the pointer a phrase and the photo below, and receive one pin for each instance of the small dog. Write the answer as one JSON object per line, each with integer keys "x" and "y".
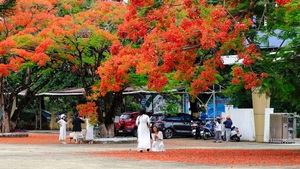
{"x": 80, "y": 138}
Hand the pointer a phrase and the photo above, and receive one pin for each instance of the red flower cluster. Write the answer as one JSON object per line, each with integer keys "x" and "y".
{"x": 282, "y": 2}
{"x": 249, "y": 79}
{"x": 89, "y": 110}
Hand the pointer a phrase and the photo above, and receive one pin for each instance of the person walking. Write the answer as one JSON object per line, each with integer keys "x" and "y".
{"x": 77, "y": 128}
{"x": 157, "y": 137}
{"x": 89, "y": 132}
{"x": 143, "y": 133}
{"x": 227, "y": 124}
{"x": 62, "y": 128}
{"x": 218, "y": 130}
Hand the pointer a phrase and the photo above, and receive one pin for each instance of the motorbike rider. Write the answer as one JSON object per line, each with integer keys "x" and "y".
{"x": 228, "y": 124}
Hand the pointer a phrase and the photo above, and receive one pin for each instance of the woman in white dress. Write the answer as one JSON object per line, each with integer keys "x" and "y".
{"x": 157, "y": 137}
{"x": 143, "y": 133}
{"x": 89, "y": 132}
{"x": 62, "y": 129}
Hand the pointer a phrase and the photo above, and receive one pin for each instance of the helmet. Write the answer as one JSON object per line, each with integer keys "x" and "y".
{"x": 63, "y": 115}
{"x": 218, "y": 118}
{"x": 227, "y": 117}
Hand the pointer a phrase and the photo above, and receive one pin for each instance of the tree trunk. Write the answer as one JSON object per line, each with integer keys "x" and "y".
{"x": 5, "y": 116}
{"x": 110, "y": 130}
{"x": 105, "y": 117}
{"x": 114, "y": 107}
{"x": 5, "y": 122}
{"x": 103, "y": 131}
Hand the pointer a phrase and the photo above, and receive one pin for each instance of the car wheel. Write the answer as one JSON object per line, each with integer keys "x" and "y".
{"x": 134, "y": 133}
{"x": 168, "y": 133}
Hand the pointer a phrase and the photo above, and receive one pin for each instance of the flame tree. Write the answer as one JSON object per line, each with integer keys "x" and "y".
{"x": 26, "y": 17}
{"x": 279, "y": 21}
{"x": 76, "y": 40}
{"x": 28, "y": 62}
{"x": 180, "y": 43}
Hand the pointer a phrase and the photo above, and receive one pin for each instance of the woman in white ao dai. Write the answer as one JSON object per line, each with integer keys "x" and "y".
{"x": 143, "y": 123}
{"x": 157, "y": 137}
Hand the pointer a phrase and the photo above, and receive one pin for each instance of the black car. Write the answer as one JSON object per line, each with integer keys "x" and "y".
{"x": 174, "y": 125}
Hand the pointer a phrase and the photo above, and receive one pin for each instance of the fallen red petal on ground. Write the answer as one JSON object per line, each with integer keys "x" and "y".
{"x": 215, "y": 156}
{"x": 31, "y": 139}
{"x": 237, "y": 157}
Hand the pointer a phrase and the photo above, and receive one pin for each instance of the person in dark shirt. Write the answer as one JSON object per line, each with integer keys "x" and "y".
{"x": 77, "y": 128}
{"x": 228, "y": 124}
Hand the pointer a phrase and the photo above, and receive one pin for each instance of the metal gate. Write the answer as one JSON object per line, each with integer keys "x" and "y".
{"x": 282, "y": 127}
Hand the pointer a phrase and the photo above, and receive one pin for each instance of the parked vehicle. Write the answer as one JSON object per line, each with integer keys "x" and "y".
{"x": 126, "y": 124}
{"x": 174, "y": 125}
{"x": 234, "y": 134}
{"x": 197, "y": 129}
{"x": 208, "y": 130}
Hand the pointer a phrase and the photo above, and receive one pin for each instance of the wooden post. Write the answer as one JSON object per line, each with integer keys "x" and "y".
{"x": 53, "y": 123}
{"x": 69, "y": 116}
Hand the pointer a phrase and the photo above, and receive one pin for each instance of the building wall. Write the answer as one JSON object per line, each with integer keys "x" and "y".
{"x": 268, "y": 111}
{"x": 244, "y": 120}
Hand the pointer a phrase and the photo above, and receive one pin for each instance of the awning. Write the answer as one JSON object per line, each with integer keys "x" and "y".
{"x": 130, "y": 90}
{"x": 63, "y": 92}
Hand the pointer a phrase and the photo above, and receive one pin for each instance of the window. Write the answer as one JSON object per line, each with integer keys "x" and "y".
{"x": 125, "y": 116}
{"x": 186, "y": 117}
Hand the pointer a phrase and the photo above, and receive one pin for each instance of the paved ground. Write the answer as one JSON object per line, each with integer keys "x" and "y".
{"x": 71, "y": 156}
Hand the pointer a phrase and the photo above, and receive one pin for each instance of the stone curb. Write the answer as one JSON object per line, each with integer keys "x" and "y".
{"x": 116, "y": 140}
{"x": 13, "y": 134}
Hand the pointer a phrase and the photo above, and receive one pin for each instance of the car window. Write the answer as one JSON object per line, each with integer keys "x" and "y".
{"x": 155, "y": 118}
{"x": 172, "y": 118}
{"x": 194, "y": 118}
{"x": 125, "y": 116}
{"x": 186, "y": 117}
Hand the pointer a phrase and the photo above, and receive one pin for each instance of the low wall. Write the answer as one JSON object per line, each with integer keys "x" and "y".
{"x": 243, "y": 119}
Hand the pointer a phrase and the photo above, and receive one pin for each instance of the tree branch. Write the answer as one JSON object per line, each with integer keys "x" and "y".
{"x": 7, "y": 7}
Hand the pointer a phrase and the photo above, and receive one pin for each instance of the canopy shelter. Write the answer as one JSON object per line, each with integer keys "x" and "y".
{"x": 63, "y": 92}
{"x": 156, "y": 102}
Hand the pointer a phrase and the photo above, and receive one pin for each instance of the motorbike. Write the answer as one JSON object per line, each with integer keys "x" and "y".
{"x": 208, "y": 130}
{"x": 197, "y": 130}
{"x": 234, "y": 134}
